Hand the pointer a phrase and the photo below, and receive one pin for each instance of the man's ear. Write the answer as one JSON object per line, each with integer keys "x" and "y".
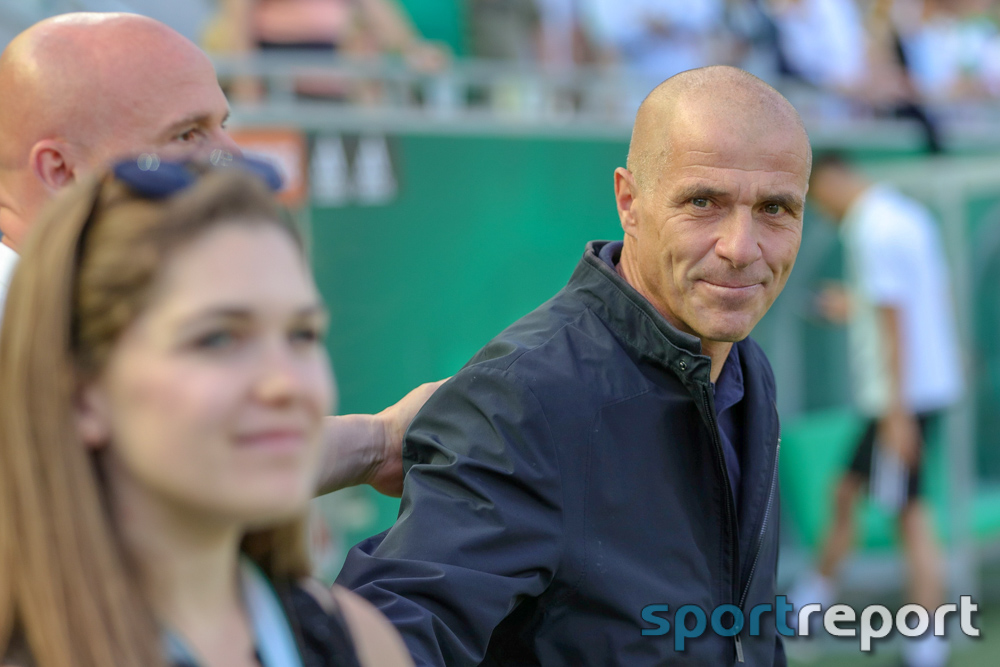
{"x": 626, "y": 192}
{"x": 92, "y": 416}
{"x": 54, "y": 163}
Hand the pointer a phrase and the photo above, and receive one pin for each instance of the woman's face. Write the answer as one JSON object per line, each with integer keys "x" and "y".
{"x": 212, "y": 400}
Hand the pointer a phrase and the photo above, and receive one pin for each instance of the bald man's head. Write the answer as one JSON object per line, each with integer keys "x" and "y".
{"x": 83, "y": 89}
{"x": 717, "y": 94}
{"x": 712, "y": 201}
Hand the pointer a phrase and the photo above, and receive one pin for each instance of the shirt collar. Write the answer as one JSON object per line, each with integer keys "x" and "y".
{"x": 729, "y": 386}
{"x": 8, "y": 261}
{"x": 610, "y": 253}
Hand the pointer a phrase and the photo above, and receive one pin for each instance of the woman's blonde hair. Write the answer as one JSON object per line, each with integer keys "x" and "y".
{"x": 89, "y": 269}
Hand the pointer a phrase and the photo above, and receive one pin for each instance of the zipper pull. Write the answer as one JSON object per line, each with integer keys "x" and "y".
{"x": 739, "y": 650}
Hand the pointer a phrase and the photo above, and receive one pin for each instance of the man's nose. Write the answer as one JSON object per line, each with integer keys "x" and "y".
{"x": 220, "y": 146}
{"x": 226, "y": 143}
{"x": 738, "y": 243}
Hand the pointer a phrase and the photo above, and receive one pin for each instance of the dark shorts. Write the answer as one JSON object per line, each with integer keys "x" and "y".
{"x": 864, "y": 455}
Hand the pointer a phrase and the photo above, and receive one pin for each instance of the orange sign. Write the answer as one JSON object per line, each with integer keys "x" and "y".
{"x": 287, "y": 149}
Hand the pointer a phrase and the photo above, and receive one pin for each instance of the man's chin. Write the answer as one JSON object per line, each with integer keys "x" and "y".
{"x": 726, "y": 328}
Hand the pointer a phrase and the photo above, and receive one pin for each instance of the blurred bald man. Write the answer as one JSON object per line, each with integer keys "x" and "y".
{"x": 611, "y": 458}
{"x": 81, "y": 90}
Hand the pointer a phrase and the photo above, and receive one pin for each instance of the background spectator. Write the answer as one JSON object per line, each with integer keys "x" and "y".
{"x": 655, "y": 39}
{"x": 948, "y": 45}
{"x": 905, "y": 365}
{"x": 350, "y": 27}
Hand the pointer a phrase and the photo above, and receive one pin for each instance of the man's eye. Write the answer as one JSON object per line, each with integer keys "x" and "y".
{"x": 700, "y": 202}
{"x": 189, "y": 135}
{"x": 772, "y": 209}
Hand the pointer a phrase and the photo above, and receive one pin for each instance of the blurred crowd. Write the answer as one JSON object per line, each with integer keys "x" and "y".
{"x": 875, "y": 51}
{"x": 885, "y": 55}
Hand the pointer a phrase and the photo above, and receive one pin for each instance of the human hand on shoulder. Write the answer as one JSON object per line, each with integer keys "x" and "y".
{"x": 387, "y": 476}
{"x": 368, "y": 449}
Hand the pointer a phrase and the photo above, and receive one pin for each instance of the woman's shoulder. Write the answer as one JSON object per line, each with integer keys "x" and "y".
{"x": 335, "y": 620}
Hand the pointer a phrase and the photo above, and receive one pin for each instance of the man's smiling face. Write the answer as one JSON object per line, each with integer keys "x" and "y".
{"x": 719, "y": 222}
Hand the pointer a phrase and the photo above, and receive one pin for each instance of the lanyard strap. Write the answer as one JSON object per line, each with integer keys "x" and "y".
{"x": 275, "y": 642}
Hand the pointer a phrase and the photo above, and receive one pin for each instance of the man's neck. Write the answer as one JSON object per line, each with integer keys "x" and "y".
{"x": 717, "y": 351}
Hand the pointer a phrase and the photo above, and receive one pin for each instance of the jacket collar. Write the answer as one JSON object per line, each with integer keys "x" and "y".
{"x": 634, "y": 320}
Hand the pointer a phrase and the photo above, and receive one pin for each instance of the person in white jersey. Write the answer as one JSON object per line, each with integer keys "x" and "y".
{"x": 8, "y": 260}
{"x": 906, "y": 370}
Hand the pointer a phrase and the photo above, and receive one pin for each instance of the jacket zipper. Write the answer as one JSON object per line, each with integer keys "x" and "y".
{"x": 760, "y": 541}
{"x": 763, "y": 525}
{"x": 730, "y": 511}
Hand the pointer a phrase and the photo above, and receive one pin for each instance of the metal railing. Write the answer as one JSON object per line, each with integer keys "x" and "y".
{"x": 490, "y": 98}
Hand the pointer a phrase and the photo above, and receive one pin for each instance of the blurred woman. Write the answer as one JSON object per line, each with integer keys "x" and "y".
{"x": 358, "y": 28}
{"x": 163, "y": 385}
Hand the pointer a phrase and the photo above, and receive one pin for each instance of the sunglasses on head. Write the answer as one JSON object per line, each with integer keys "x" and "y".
{"x": 153, "y": 178}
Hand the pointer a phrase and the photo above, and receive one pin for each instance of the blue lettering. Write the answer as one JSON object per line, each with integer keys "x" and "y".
{"x": 781, "y": 609}
{"x": 755, "y": 615}
{"x": 737, "y": 625}
{"x": 682, "y": 633}
{"x": 649, "y": 615}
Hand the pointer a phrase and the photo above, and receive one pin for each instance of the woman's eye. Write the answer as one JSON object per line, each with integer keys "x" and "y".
{"x": 306, "y": 335}
{"x": 216, "y": 340}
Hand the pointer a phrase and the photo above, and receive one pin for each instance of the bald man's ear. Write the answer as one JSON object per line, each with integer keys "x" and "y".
{"x": 54, "y": 163}
{"x": 626, "y": 192}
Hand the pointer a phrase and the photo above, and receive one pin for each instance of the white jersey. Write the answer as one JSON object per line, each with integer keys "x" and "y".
{"x": 894, "y": 258}
{"x": 8, "y": 260}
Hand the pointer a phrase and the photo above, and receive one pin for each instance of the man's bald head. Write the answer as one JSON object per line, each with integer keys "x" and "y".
{"x": 82, "y": 89}
{"x": 712, "y": 202}
{"x": 709, "y": 96}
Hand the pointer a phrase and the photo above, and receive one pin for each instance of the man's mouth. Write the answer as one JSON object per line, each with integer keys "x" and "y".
{"x": 732, "y": 285}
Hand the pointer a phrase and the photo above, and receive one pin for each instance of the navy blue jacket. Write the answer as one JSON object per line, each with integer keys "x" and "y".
{"x": 570, "y": 475}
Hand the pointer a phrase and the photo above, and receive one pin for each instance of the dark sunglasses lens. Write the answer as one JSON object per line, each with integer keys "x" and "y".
{"x": 154, "y": 181}
{"x": 263, "y": 170}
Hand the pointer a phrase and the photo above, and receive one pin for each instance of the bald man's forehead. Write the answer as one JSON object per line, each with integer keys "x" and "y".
{"x": 732, "y": 120}
{"x": 749, "y": 143}
{"x": 154, "y": 102}
{"x": 720, "y": 93}
{"x": 111, "y": 84}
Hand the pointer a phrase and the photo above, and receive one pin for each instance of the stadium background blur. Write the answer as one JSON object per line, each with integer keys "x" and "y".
{"x": 443, "y": 200}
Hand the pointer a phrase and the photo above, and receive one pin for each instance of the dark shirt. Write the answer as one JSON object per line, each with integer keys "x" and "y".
{"x": 322, "y": 635}
{"x": 728, "y": 393}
